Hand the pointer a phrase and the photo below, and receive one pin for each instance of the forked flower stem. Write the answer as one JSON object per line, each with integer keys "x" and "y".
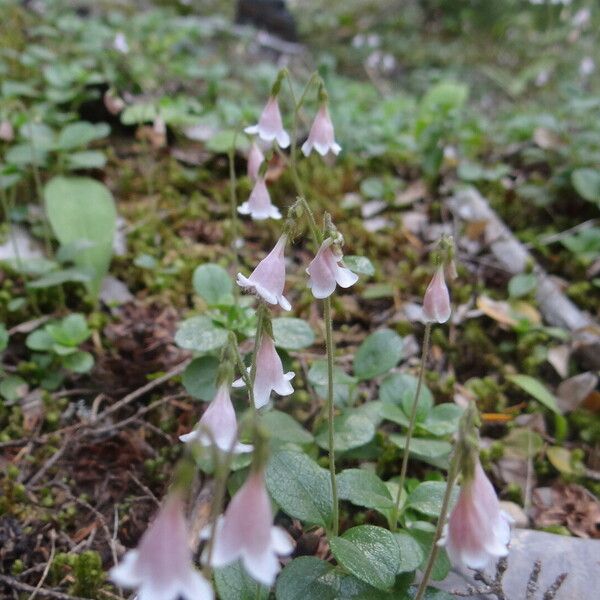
{"x": 452, "y": 472}
{"x": 411, "y": 427}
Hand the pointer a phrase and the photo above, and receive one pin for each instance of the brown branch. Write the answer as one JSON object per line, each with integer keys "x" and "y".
{"x": 15, "y": 584}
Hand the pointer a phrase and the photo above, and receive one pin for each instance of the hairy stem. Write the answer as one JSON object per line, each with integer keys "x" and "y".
{"x": 233, "y": 207}
{"x": 330, "y": 411}
{"x": 411, "y": 427}
{"x": 452, "y": 471}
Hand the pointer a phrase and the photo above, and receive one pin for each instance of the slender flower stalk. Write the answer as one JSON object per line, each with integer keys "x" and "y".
{"x": 452, "y": 471}
{"x": 233, "y": 207}
{"x": 330, "y": 350}
{"x": 411, "y": 427}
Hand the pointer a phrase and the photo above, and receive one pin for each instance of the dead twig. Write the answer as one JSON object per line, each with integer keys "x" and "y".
{"x": 38, "y": 587}
{"x": 15, "y": 584}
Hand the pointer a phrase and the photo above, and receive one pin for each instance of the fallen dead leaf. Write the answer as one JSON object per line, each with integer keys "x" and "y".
{"x": 572, "y": 392}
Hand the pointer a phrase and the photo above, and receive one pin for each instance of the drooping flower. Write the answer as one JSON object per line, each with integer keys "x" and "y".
{"x": 255, "y": 159}
{"x": 269, "y": 374}
{"x": 246, "y": 532}
{"x": 120, "y": 43}
{"x": 321, "y": 136}
{"x": 268, "y": 278}
{"x": 161, "y": 567}
{"x": 259, "y": 205}
{"x": 218, "y": 425}
{"x": 477, "y": 530}
{"x": 270, "y": 125}
{"x": 436, "y": 302}
{"x": 325, "y": 272}
{"x": 7, "y": 133}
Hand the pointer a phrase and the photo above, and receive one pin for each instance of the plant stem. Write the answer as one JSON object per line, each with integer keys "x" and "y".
{"x": 330, "y": 411}
{"x": 411, "y": 427}
{"x": 39, "y": 192}
{"x": 233, "y": 207}
{"x": 242, "y": 367}
{"x": 452, "y": 471}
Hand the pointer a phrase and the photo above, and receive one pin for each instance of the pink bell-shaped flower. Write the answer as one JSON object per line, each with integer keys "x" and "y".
{"x": 325, "y": 272}
{"x": 321, "y": 136}
{"x": 268, "y": 279}
{"x": 269, "y": 374}
{"x": 255, "y": 159}
{"x": 436, "y": 302}
{"x": 246, "y": 532}
{"x": 270, "y": 125}
{"x": 161, "y": 567}
{"x": 259, "y": 205}
{"x": 218, "y": 425}
{"x": 477, "y": 529}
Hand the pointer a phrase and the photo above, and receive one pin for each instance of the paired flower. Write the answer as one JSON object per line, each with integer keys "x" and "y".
{"x": 269, "y": 374}
{"x": 270, "y": 125}
{"x": 477, "y": 529}
{"x": 161, "y": 566}
{"x": 259, "y": 205}
{"x": 321, "y": 136}
{"x": 268, "y": 278}
{"x": 255, "y": 159}
{"x": 326, "y": 270}
{"x": 246, "y": 532}
{"x": 218, "y": 425}
{"x": 436, "y": 302}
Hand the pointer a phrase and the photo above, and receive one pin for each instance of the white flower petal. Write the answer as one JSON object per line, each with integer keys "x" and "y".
{"x": 126, "y": 574}
{"x": 281, "y": 541}
{"x": 261, "y": 567}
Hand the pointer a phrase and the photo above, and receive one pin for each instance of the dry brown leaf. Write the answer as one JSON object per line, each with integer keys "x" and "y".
{"x": 559, "y": 357}
{"x": 572, "y": 392}
{"x": 415, "y": 191}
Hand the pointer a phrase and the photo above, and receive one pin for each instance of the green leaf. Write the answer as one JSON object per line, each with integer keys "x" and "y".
{"x": 71, "y": 331}
{"x": 587, "y": 184}
{"x": 80, "y": 134}
{"x": 427, "y": 497}
{"x": 441, "y": 566}
{"x": 431, "y": 451}
{"x": 59, "y": 277}
{"x": 536, "y": 389}
{"x": 222, "y": 142}
{"x": 380, "y": 352}
{"x": 522, "y": 442}
{"x": 200, "y": 334}
{"x": 370, "y": 553}
{"x": 213, "y": 284}
{"x": 300, "y": 487}
{"x": 443, "y": 419}
{"x": 283, "y": 427}
{"x": 359, "y": 264}
{"x": 78, "y": 362}
{"x": 199, "y": 378}
{"x": 411, "y": 554}
{"x": 292, "y": 334}
{"x": 233, "y": 583}
{"x": 3, "y": 337}
{"x": 351, "y": 430}
{"x": 139, "y": 113}
{"x": 521, "y": 285}
{"x": 13, "y": 388}
{"x": 306, "y": 577}
{"x": 399, "y": 389}
{"x": 23, "y": 155}
{"x": 364, "y": 488}
{"x": 80, "y": 208}
{"x": 39, "y": 340}
{"x": 87, "y": 159}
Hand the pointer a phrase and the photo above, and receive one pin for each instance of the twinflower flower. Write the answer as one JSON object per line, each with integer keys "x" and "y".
{"x": 270, "y": 125}
{"x": 268, "y": 278}
{"x": 269, "y": 374}
{"x": 255, "y": 159}
{"x": 321, "y": 136}
{"x": 436, "y": 302}
{"x": 477, "y": 529}
{"x": 218, "y": 425}
{"x": 259, "y": 205}
{"x": 161, "y": 566}
{"x": 325, "y": 271}
{"x": 246, "y": 532}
